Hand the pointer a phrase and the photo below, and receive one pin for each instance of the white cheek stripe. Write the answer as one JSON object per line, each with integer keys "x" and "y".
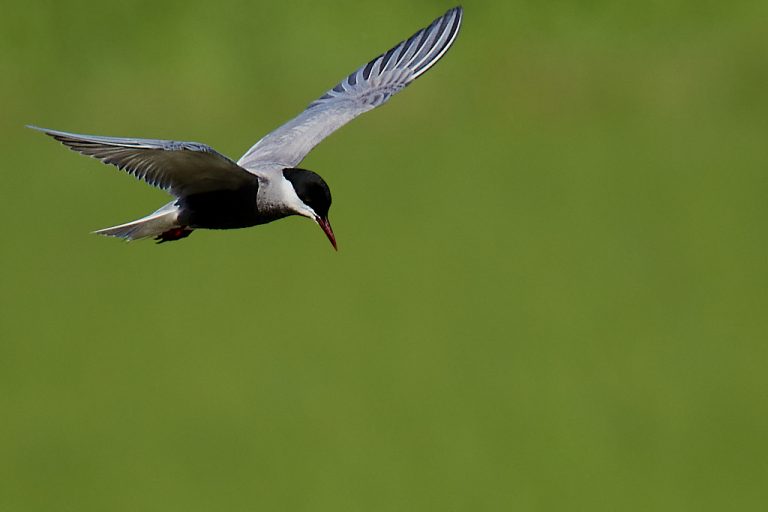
{"x": 293, "y": 201}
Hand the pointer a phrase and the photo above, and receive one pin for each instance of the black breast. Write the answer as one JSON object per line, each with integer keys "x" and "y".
{"x": 221, "y": 209}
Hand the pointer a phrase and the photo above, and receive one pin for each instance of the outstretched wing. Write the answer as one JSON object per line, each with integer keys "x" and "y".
{"x": 363, "y": 90}
{"x": 181, "y": 168}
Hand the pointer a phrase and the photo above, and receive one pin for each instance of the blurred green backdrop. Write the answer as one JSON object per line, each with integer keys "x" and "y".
{"x": 562, "y": 306}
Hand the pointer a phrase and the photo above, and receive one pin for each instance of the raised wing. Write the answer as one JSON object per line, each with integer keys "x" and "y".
{"x": 363, "y": 90}
{"x": 181, "y": 168}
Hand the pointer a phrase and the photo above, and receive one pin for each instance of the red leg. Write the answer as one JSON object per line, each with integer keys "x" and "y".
{"x": 173, "y": 234}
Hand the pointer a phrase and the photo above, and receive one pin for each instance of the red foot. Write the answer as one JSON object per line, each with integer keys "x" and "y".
{"x": 173, "y": 234}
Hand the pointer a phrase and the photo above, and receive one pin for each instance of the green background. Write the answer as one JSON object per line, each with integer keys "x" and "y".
{"x": 550, "y": 294}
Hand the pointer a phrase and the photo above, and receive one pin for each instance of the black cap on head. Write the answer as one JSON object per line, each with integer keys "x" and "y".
{"x": 311, "y": 189}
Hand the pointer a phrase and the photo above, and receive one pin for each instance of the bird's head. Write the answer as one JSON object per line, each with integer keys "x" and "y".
{"x": 315, "y": 198}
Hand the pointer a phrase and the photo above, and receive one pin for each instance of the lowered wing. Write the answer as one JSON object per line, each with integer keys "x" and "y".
{"x": 181, "y": 168}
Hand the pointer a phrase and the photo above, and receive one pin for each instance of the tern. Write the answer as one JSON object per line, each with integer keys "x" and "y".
{"x": 211, "y": 191}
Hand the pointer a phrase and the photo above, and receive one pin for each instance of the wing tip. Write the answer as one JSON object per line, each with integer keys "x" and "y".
{"x": 448, "y": 25}
{"x": 37, "y": 128}
{"x": 458, "y": 11}
{"x": 56, "y": 134}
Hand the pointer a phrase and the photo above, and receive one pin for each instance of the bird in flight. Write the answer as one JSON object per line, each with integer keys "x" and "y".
{"x": 213, "y": 192}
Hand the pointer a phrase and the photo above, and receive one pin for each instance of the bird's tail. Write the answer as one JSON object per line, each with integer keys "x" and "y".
{"x": 153, "y": 225}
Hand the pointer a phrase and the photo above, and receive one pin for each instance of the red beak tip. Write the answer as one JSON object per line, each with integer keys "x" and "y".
{"x": 326, "y": 227}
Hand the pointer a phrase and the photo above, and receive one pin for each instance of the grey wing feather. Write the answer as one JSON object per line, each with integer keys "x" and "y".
{"x": 363, "y": 90}
{"x": 181, "y": 168}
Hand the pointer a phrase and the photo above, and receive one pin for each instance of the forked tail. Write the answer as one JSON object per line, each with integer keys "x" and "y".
{"x": 162, "y": 225}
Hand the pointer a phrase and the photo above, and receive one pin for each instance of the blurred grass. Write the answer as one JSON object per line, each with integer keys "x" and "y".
{"x": 561, "y": 308}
